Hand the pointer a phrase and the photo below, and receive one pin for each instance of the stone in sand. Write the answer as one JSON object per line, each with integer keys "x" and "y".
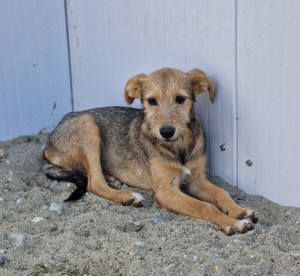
{"x": 17, "y": 239}
{"x": 2, "y": 153}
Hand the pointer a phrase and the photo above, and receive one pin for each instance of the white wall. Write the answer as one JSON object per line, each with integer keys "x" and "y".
{"x": 269, "y": 98}
{"x": 251, "y": 48}
{"x": 34, "y": 68}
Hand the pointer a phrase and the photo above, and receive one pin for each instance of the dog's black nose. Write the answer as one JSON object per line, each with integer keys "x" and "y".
{"x": 167, "y": 132}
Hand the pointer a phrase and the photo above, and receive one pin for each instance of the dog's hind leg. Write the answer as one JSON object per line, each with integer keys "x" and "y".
{"x": 98, "y": 185}
{"x": 76, "y": 144}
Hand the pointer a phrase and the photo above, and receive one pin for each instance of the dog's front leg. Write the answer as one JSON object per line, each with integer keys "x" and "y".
{"x": 202, "y": 189}
{"x": 166, "y": 177}
{"x": 173, "y": 199}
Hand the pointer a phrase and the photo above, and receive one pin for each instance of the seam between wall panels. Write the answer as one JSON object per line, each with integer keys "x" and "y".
{"x": 235, "y": 98}
{"x": 69, "y": 53}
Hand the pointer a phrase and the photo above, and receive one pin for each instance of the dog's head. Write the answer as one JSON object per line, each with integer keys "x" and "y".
{"x": 167, "y": 96}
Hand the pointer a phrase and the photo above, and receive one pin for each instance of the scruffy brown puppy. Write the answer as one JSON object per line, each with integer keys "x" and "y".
{"x": 155, "y": 148}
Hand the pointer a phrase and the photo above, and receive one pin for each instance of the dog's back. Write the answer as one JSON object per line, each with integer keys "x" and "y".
{"x": 114, "y": 123}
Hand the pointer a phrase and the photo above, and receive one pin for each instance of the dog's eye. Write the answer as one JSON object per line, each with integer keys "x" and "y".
{"x": 152, "y": 101}
{"x": 180, "y": 99}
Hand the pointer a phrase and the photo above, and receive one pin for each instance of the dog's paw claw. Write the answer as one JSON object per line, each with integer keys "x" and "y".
{"x": 138, "y": 199}
{"x": 244, "y": 225}
{"x": 229, "y": 231}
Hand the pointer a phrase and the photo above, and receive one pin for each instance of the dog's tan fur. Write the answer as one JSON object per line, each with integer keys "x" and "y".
{"x": 128, "y": 145}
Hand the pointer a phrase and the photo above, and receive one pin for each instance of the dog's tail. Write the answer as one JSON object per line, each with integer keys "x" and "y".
{"x": 74, "y": 176}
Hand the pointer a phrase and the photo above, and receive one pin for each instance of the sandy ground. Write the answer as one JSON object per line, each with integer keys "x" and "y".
{"x": 40, "y": 234}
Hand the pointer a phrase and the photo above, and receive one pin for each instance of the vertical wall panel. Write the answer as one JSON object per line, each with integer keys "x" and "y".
{"x": 114, "y": 40}
{"x": 269, "y": 98}
{"x": 34, "y": 74}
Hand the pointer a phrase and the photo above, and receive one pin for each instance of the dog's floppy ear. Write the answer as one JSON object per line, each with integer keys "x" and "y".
{"x": 201, "y": 83}
{"x": 134, "y": 88}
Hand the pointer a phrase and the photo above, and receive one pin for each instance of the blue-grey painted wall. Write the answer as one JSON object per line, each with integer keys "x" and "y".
{"x": 34, "y": 68}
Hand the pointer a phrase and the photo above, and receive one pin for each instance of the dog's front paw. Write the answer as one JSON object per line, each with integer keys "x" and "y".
{"x": 253, "y": 215}
{"x": 240, "y": 226}
{"x": 243, "y": 226}
{"x": 249, "y": 214}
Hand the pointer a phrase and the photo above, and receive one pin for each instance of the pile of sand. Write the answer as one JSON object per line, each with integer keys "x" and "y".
{"x": 41, "y": 234}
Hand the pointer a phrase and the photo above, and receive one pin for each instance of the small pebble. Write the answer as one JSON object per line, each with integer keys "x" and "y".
{"x": 37, "y": 219}
{"x": 54, "y": 228}
{"x": 131, "y": 226}
{"x": 295, "y": 253}
{"x": 1, "y": 199}
{"x": 48, "y": 264}
{"x": 2, "y": 153}
{"x": 216, "y": 257}
{"x": 10, "y": 176}
{"x": 2, "y": 260}
{"x": 195, "y": 258}
{"x": 169, "y": 268}
{"x": 53, "y": 185}
{"x": 86, "y": 233}
{"x": 217, "y": 269}
{"x": 140, "y": 243}
{"x": 110, "y": 207}
{"x": 56, "y": 208}
{"x": 17, "y": 239}
{"x": 19, "y": 200}
{"x": 59, "y": 186}
{"x": 159, "y": 219}
{"x": 124, "y": 186}
{"x": 288, "y": 213}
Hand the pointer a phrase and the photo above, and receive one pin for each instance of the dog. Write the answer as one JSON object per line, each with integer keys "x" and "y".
{"x": 158, "y": 148}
